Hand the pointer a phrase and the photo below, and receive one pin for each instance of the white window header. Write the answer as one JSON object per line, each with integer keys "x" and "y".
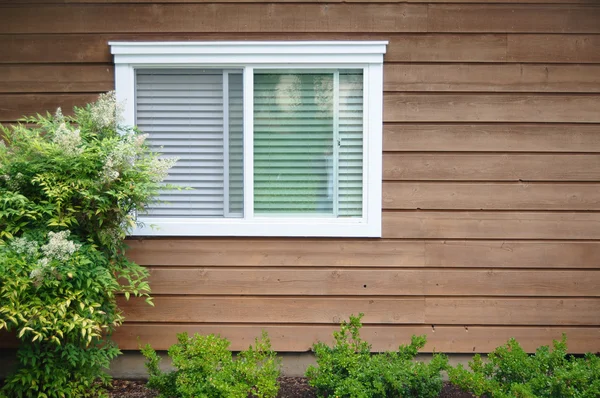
{"x": 249, "y": 52}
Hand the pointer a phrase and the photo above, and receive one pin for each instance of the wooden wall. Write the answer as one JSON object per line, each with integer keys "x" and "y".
{"x": 491, "y": 192}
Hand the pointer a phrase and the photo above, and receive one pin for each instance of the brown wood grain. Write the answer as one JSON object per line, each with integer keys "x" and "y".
{"x": 513, "y": 18}
{"x": 492, "y": 77}
{"x": 490, "y": 196}
{"x": 560, "y": 48}
{"x": 275, "y": 252}
{"x": 69, "y": 48}
{"x": 491, "y": 137}
{"x": 56, "y": 78}
{"x": 15, "y": 106}
{"x": 402, "y": 310}
{"x": 210, "y": 252}
{"x": 512, "y": 311}
{"x": 373, "y": 282}
{"x": 300, "y": 17}
{"x": 77, "y": 48}
{"x": 274, "y": 309}
{"x": 491, "y": 167}
{"x": 214, "y": 17}
{"x": 490, "y": 225}
{"x": 512, "y": 254}
{"x": 298, "y": 338}
{"x": 450, "y": 107}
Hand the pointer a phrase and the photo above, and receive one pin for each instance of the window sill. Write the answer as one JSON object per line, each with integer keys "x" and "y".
{"x": 314, "y": 227}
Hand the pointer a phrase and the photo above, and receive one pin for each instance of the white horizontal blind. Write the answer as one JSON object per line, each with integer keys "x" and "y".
{"x": 182, "y": 112}
{"x": 350, "y": 186}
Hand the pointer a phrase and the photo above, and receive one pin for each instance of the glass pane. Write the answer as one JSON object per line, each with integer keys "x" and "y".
{"x": 293, "y": 143}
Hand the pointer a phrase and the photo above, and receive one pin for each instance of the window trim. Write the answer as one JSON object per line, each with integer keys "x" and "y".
{"x": 365, "y": 55}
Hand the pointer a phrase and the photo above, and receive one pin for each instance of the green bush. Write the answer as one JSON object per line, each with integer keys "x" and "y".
{"x": 348, "y": 369}
{"x": 206, "y": 368}
{"x": 69, "y": 189}
{"x": 511, "y": 372}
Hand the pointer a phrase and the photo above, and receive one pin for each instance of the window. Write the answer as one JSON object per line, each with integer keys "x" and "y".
{"x": 273, "y": 138}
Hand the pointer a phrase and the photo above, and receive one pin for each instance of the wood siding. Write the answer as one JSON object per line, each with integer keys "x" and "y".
{"x": 491, "y": 167}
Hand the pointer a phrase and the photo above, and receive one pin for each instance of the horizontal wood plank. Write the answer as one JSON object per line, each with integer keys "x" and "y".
{"x": 15, "y": 106}
{"x": 373, "y": 282}
{"x": 490, "y": 225}
{"x": 55, "y": 78}
{"x": 300, "y": 17}
{"x": 211, "y": 252}
{"x": 513, "y": 18}
{"x": 560, "y": 48}
{"x": 275, "y": 252}
{"x": 512, "y": 311}
{"x": 176, "y": 17}
{"x": 490, "y": 196}
{"x": 405, "y": 310}
{"x": 274, "y": 309}
{"x": 491, "y": 137}
{"x": 540, "y": 108}
{"x": 491, "y": 167}
{"x": 297, "y": 338}
{"x": 492, "y": 77}
{"x": 512, "y": 254}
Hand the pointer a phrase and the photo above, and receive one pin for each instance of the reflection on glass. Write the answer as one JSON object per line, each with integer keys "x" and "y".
{"x": 293, "y": 143}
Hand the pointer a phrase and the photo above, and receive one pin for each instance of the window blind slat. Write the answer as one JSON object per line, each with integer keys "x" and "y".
{"x": 351, "y": 149}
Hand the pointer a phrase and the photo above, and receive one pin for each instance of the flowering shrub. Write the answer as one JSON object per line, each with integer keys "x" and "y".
{"x": 69, "y": 189}
{"x": 348, "y": 369}
{"x": 206, "y": 368}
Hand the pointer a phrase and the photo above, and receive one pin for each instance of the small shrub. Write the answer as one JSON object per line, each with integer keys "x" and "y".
{"x": 348, "y": 369}
{"x": 206, "y": 368}
{"x": 511, "y": 372}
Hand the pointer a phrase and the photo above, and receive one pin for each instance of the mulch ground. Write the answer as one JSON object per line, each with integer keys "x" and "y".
{"x": 291, "y": 387}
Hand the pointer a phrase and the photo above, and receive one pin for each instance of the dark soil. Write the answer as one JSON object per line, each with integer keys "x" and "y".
{"x": 291, "y": 387}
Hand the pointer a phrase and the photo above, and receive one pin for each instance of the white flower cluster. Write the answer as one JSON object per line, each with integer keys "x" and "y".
{"x": 69, "y": 141}
{"x": 24, "y": 246}
{"x": 59, "y": 247}
{"x": 122, "y": 156}
{"x": 58, "y": 115}
{"x": 106, "y": 112}
{"x": 15, "y": 182}
{"x": 160, "y": 168}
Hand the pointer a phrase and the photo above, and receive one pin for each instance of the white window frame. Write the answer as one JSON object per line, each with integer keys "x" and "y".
{"x": 365, "y": 55}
